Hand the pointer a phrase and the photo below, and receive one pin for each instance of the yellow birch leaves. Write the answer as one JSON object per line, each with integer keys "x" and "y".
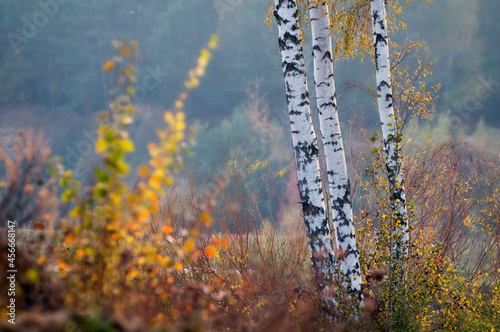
{"x": 204, "y": 58}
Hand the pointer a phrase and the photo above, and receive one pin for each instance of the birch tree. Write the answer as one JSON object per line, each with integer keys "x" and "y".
{"x": 390, "y": 130}
{"x": 338, "y": 180}
{"x": 305, "y": 145}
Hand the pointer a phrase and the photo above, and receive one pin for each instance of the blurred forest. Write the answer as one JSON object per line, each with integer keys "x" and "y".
{"x": 181, "y": 210}
{"x": 52, "y": 77}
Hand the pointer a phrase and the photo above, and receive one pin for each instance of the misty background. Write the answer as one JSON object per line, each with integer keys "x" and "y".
{"x": 51, "y": 56}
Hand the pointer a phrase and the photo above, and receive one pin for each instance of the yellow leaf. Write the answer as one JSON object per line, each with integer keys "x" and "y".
{"x": 101, "y": 145}
{"x": 108, "y": 66}
{"x": 200, "y": 71}
{"x": 75, "y": 213}
{"x": 180, "y": 116}
{"x": 123, "y": 167}
{"x": 181, "y": 126}
{"x": 202, "y": 63}
{"x": 188, "y": 246}
{"x": 169, "y": 181}
{"x": 126, "y": 145}
{"x": 206, "y": 218}
{"x": 212, "y": 43}
{"x": 155, "y": 182}
{"x": 205, "y": 54}
{"x": 115, "y": 198}
{"x": 152, "y": 197}
{"x": 178, "y": 266}
{"x": 169, "y": 117}
{"x": 124, "y": 50}
{"x": 141, "y": 261}
{"x": 130, "y": 91}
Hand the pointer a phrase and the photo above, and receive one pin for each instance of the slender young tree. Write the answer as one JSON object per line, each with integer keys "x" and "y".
{"x": 338, "y": 180}
{"x": 305, "y": 144}
{"x": 390, "y": 131}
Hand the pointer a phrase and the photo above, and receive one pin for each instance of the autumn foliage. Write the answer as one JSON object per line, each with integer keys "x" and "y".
{"x": 157, "y": 256}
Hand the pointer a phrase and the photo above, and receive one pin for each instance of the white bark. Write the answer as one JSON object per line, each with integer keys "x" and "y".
{"x": 305, "y": 145}
{"x": 338, "y": 180}
{"x": 389, "y": 130}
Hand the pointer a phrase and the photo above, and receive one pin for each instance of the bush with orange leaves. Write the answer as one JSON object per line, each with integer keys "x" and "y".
{"x": 119, "y": 255}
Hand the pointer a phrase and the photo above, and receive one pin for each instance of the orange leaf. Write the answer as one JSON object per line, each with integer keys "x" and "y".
{"x": 108, "y": 65}
{"x": 143, "y": 171}
{"x": 216, "y": 241}
{"x": 167, "y": 229}
{"x": 196, "y": 254}
{"x": 143, "y": 215}
{"x": 225, "y": 242}
{"x": 70, "y": 238}
{"x": 210, "y": 251}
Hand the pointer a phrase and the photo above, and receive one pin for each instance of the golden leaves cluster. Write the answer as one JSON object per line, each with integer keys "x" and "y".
{"x": 203, "y": 59}
{"x": 117, "y": 243}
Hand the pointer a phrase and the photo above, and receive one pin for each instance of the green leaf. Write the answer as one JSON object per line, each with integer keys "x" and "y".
{"x": 375, "y": 150}
{"x": 67, "y": 195}
{"x": 32, "y": 275}
{"x": 101, "y": 175}
{"x": 109, "y": 135}
{"x": 100, "y": 192}
{"x": 122, "y": 167}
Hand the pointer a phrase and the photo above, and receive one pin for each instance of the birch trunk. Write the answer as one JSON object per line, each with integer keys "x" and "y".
{"x": 338, "y": 180}
{"x": 305, "y": 145}
{"x": 389, "y": 130}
